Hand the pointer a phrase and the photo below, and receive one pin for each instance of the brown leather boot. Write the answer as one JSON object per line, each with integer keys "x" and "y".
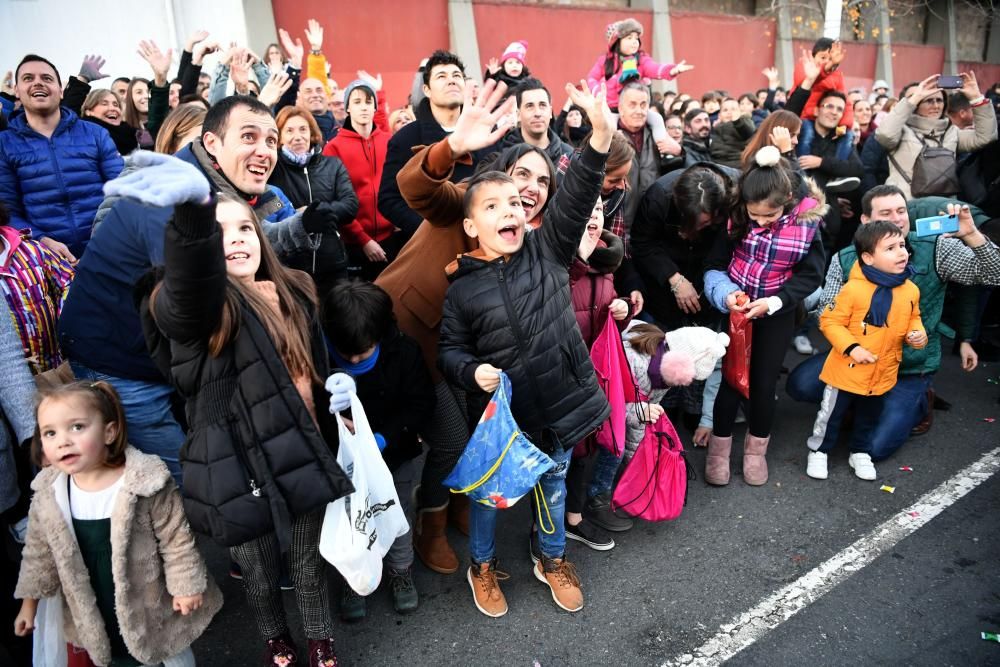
{"x": 430, "y": 541}
{"x": 458, "y": 512}
{"x": 717, "y": 461}
{"x": 928, "y": 420}
{"x": 754, "y": 463}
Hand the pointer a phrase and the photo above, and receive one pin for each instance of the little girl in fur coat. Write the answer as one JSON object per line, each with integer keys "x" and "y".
{"x": 107, "y": 530}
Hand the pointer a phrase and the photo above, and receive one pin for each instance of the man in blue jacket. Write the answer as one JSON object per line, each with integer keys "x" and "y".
{"x": 53, "y": 166}
{"x": 100, "y": 330}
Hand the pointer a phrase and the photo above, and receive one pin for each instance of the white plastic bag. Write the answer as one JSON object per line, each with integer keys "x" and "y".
{"x": 48, "y": 640}
{"x": 359, "y": 529}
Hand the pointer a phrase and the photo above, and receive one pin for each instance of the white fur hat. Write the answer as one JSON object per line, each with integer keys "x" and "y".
{"x": 704, "y": 346}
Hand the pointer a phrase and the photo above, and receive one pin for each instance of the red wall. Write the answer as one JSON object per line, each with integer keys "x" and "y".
{"x": 563, "y": 42}
{"x": 728, "y": 52}
{"x": 384, "y": 36}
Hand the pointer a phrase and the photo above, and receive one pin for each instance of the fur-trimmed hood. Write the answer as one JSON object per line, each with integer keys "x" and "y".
{"x": 813, "y": 214}
{"x": 153, "y": 559}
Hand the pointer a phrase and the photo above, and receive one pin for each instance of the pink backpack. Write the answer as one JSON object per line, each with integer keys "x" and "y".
{"x": 654, "y": 484}
{"x": 614, "y": 375}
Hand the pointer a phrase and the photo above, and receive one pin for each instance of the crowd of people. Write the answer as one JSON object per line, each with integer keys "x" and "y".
{"x": 200, "y": 271}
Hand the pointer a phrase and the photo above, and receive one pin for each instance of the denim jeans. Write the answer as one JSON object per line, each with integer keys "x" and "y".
{"x": 903, "y": 408}
{"x": 483, "y": 519}
{"x": 808, "y": 133}
{"x": 603, "y": 478}
{"x": 151, "y": 425}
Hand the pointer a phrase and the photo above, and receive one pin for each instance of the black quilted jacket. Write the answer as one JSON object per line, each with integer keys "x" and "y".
{"x": 517, "y": 315}
{"x": 254, "y": 458}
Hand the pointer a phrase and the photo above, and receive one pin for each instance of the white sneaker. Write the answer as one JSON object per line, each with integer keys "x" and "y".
{"x": 802, "y": 344}
{"x": 845, "y": 184}
{"x": 862, "y": 466}
{"x": 816, "y": 465}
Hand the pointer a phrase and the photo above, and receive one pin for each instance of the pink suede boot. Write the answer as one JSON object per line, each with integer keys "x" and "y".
{"x": 754, "y": 464}
{"x": 717, "y": 461}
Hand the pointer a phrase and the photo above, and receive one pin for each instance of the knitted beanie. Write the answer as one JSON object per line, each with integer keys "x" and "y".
{"x": 619, "y": 29}
{"x": 359, "y": 83}
{"x": 517, "y": 50}
{"x": 702, "y": 345}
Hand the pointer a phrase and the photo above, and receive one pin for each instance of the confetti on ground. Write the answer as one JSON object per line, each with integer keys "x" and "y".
{"x": 906, "y": 468}
{"x": 914, "y": 514}
{"x": 888, "y": 489}
{"x": 992, "y": 381}
{"x": 990, "y": 636}
{"x": 989, "y": 420}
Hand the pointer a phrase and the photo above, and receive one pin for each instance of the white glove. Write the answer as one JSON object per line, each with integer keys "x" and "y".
{"x": 163, "y": 180}
{"x": 340, "y": 386}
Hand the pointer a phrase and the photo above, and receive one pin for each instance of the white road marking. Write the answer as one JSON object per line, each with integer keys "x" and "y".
{"x": 772, "y": 611}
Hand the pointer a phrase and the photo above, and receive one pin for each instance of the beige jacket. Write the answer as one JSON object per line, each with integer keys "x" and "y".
{"x": 154, "y": 557}
{"x": 901, "y": 130}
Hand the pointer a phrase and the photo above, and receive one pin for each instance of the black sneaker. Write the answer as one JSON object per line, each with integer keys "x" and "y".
{"x": 235, "y": 571}
{"x": 598, "y": 510}
{"x": 845, "y": 184}
{"x": 404, "y": 593}
{"x": 352, "y": 606}
{"x": 534, "y": 548}
{"x": 591, "y": 535}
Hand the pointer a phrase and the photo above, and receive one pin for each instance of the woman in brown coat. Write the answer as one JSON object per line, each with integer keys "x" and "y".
{"x": 417, "y": 283}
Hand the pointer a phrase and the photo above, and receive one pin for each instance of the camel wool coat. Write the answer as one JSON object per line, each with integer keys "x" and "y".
{"x": 154, "y": 558}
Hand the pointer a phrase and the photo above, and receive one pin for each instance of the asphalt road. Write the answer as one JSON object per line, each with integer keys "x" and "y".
{"x": 666, "y": 588}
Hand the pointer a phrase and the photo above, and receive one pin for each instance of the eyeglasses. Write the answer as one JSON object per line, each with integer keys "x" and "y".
{"x": 832, "y": 107}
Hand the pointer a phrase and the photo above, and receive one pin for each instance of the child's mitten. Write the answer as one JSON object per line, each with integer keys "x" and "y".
{"x": 340, "y": 386}
{"x": 163, "y": 180}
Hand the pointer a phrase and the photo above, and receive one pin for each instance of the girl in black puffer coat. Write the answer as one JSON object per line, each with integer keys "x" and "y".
{"x": 246, "y": 352}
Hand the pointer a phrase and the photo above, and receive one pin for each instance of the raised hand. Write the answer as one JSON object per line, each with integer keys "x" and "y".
{"x": 374, "y": 81}
{"x": 810, "y": 68}
{"x": 598, "y": 113}
{"x": 158, "y": 60}
{"x": 227, "y": 57}
{"x": 924, "y": 89}
{"x": 161, "y": 180}
{"x": 493, "y": 66}
{"x": 314, "y": 35}
{"x": 195, "y": 37}
{"x": 202, "y": 49}
{"x": 8, "y": 83}
{"x": 239, "y": 70}
{"x": 680, "y": 68}
{"x": 970, "y": 87}
{"x": 772, "y": 76}
{"x": 474, "y": 129}
{"x": 277, "y": 85}
{"x": 294, "y": 49}
{"x": 90, "y": 69}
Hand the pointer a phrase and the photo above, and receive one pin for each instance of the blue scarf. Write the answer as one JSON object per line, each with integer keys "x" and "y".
{"x": 300, "y": 159}
{"x": 354, "y": 370}
{"x": 882, "y": 298}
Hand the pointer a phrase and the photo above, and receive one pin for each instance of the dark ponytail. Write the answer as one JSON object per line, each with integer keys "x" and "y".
{"x": 778, "y": 184}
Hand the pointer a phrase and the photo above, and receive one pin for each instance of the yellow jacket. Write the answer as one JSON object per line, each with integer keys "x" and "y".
{"x": 842, "y": 324}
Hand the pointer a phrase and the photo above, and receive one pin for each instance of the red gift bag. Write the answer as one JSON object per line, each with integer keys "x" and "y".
{"x": 736, "y": 363}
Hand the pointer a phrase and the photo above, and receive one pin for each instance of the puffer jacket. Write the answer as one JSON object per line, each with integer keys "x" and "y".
{"x": 556, "y": 149}
{"x": 364, "y": 160}
{"x": 592, "y": 286}
{"x": 322, "y": 179}
{"x": 254, "y": 458}
{"x": 516, "y": 314}
{"x": 842, "y": 322}
{"x": 901, "y": 131}
{"x": 729, "y": 139}
{"x": 53, "y": 186}
{"x": 648, "y": 69}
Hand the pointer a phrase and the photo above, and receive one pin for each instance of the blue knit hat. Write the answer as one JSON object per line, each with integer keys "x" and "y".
{"x": 359, "y": 83}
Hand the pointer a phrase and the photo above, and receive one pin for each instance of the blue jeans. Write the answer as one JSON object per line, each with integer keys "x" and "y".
{"x": 808, "y": 133}
{"x": 905, "y": 405}
{"x": 605, "y": 466}
{"x": 483, "y": 519}
{"x": 151, "y": 425}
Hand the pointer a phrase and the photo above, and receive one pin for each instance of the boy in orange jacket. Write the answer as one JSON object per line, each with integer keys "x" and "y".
{"x": 874, "y": 314}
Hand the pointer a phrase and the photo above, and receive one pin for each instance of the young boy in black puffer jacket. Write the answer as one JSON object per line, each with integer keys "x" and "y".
{"x": 395, "y": 389}
{"x": 508, "y": 308}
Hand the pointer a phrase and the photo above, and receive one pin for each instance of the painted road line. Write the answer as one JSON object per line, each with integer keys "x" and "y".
{"x": 772, "y": 611}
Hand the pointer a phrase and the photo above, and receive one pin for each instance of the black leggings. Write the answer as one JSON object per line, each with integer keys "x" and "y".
{"x": 771, "y": 337}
